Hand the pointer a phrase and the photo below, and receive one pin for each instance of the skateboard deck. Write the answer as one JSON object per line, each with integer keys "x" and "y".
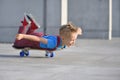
{"x": 25, "y": 51}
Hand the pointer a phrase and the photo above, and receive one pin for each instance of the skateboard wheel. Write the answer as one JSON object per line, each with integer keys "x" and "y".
{"x": 27, "y": 54}
{"x": 24, "y": 53}
{"x": 21, "y": 54}
{"x": 52, "y": 54}
{"x": 47, "y": 54}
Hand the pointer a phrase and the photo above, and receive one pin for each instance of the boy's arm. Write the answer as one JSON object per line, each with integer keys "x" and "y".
{"x": 31, "y": 37}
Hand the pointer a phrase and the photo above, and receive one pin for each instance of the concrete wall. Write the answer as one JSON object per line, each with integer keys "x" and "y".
{"x": 92, "y": 15}
{"x": 116, "y": 18}
{"x": 53, "y": 16}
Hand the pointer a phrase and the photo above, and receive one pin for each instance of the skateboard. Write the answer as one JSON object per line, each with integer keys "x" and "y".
{"x": 25, "y": 52}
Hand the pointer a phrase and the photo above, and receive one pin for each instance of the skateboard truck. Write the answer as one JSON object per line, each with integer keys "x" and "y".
{"x": 49, "y": 54}
{"x": 24, "y": 52}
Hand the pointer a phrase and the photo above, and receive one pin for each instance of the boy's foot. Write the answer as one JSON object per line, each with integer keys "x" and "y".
{"x": 26, "y": 21}
{"x": 34, "y": 24}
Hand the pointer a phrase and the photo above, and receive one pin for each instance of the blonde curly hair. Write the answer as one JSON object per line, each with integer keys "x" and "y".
{"x": 68, "y": 29}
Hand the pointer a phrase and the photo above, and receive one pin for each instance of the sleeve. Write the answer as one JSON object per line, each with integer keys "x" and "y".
{"x": 52, "y": 42}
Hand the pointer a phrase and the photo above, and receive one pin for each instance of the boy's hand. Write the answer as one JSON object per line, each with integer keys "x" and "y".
{"x": 19, "y": 36}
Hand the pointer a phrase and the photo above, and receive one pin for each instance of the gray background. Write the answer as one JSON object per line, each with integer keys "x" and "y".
{"x": 91, "y": 15}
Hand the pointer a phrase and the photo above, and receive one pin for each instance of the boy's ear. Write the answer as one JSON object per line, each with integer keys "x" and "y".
{"x": 62, "y": 38}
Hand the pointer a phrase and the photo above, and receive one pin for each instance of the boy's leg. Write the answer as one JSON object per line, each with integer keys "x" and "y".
{"x": 39, "y": 34}
{"x": 27, "y": 43}
{"x": 23, "y": 43}
{"x": 31, "y": 42}
{"x": 21, "y": 30}
{"x": 34, "y": 25}
{"x": 25, "y": 23}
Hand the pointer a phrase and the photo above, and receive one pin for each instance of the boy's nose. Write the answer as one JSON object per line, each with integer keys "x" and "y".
{"x": 73, "y": 42}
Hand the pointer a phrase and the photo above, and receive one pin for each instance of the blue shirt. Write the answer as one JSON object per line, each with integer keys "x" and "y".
{"x": 52, "y": 42}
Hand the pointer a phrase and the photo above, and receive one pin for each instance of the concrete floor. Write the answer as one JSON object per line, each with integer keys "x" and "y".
{"x": 87, "y": 60}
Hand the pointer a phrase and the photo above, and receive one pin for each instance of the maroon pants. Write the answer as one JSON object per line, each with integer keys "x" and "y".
{"x": 27, "y": 43}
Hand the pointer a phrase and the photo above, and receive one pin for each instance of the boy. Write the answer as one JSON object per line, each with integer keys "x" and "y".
{"x": 67, "y": 35}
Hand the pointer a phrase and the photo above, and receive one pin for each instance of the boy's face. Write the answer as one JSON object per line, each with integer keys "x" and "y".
{"x": 69, "y": 41}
